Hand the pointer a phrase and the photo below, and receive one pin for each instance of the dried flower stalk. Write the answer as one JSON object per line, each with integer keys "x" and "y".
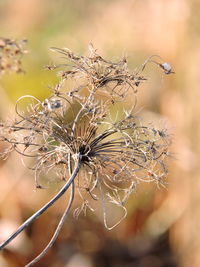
{"x": 72, "y": 133}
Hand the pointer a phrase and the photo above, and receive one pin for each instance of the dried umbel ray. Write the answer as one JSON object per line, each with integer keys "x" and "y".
{"x": 74, "y": 134}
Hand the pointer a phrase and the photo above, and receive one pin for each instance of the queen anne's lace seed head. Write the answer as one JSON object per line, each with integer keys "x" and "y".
{"x": 116, "y": 154}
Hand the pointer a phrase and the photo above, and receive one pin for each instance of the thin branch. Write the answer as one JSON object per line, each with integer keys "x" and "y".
{"x": 61, "y": 222}
{"x": 44, "y": 208}
{"x": 57, "y": 231}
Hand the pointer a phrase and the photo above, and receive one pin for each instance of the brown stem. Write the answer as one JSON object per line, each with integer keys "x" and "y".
{"x": 57, "y": 231}
{"x": 61, "y": 222}
{"x": 44, "y": 208}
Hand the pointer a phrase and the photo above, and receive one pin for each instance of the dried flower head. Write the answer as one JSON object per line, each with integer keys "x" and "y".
{"x": 11, "y": 52}
{"x": 74, "y": 133}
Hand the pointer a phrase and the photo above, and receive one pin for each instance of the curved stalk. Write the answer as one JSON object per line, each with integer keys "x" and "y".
{"x": 44, "y": 208}
{"x": 57, "y": 231}
{"x": 61, "y": 222}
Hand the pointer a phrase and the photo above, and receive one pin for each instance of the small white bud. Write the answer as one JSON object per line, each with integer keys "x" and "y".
{"x": 166, "y": 67}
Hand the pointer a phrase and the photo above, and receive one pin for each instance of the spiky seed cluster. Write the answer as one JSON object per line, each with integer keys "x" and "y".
{"x": 101, "y": 155}
{"x": 76, "y": 124}
{"x": 11, "y": 52}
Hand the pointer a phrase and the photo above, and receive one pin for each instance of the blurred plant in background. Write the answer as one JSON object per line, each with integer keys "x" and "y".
{"x": 10, "y": 55}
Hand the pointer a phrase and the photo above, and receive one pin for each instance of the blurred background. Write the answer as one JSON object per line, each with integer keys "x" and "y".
{"x": 163, "y": 225}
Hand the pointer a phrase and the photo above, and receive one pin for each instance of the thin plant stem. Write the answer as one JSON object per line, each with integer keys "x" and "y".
{"x": 61, "y": 222}
{"x": 44, "y": 208}
{"x": 57, "y": 231}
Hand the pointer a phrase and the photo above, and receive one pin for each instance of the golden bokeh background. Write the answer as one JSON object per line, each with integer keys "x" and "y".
{"x": 163, "y": 225}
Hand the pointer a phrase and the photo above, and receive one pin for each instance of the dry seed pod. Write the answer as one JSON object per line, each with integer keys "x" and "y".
{"x": 167, "y": 68}
{"x": 73, "y": 134}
